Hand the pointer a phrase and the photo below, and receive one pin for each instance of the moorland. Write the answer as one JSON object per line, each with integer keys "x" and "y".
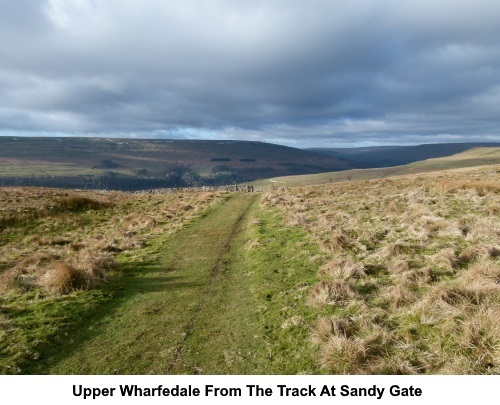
{"x": 392, "y": 275}
{"x": 139, "y": 164}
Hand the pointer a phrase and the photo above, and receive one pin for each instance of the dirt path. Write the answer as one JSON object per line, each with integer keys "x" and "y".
{"x": 153, "y": 324}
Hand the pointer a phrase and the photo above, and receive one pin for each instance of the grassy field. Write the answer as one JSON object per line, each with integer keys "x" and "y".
{"x": 470, "y": 158}
{"x": 411, "y": 280}
{"x": 390, "y": 276}
{"x": 176, "y": 283}
{"x": 59, "y": 249}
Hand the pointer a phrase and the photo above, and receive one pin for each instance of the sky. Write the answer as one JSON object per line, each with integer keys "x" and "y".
{"x": 300, "y": 73}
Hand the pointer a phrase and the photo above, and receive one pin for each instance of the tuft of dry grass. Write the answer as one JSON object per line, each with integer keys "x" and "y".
{"x": 81, "y": 203}
{"x": 62, "y": 278}
{"x": 478, "y": 251}
{"x": 327, "y": 327}
{"x": 484, "y": 272}
{"x": 342, "y": 268}
{"x": 398, "y": 266}
{"x": 330, "y": 293}
{"x": 397, "y": 296}
{"x": 446, "y": 259}
{"x": 397, "y": 249}
{"x": 96, "y": 264}
{"x": 341, "y": 355}
{"x": 338, "y": 240}
{"x": 415, "y": 277}
{"x": 355, "y": 355}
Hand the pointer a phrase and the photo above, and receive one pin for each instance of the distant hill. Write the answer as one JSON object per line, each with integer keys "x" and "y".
{"x": 470, "y": 158}
{"x": 131, "y": 164}
{"x": 386, "y": 156}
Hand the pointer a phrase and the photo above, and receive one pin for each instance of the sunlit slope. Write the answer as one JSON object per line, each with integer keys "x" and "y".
{"x": 372, "y": 157}
{"x": 472, "y": 157}
{"x": 469, "y": 158}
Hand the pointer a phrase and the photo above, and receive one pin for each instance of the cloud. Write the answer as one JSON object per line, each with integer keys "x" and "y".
{"x": 304, "y": 74}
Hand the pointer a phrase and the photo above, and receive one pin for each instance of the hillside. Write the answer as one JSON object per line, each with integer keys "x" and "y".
{"x": 470, "y": 158}
{"x": 391, "y": 276}
{"x": 130, "y": 164}
{"x": 410, "y": 283}
{"x": 385, "y": 156}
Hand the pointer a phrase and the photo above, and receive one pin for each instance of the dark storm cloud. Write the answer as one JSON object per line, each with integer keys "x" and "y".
{"x": 300, "y": 73}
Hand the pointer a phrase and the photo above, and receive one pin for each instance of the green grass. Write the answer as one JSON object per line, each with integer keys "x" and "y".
{"x": 223, "y": 295}
{"x": 28, "y": 170}
{"x": 39, "y": 330}
{"x": 34, "y": 323}
{"x": 232, "y": 283}
{"x": 262, "y": 324}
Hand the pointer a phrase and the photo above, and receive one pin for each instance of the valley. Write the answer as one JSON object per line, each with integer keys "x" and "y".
{"x": 393, "y": 275}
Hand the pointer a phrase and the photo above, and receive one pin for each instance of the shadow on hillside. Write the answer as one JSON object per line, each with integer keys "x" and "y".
{"x": 134, "y": 279}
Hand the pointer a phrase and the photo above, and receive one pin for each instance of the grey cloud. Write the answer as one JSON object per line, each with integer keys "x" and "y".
{"x": 316, "y": 73}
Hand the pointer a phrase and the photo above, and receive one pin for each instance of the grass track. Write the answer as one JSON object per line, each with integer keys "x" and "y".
{"x": 196, "y": 304}
{"x": 144, "y": 328}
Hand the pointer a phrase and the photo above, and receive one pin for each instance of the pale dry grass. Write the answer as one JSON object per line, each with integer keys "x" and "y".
{"x": 77, "y": 235}
{"x": 417, "y": 258}
{"x": 477, "y": 252}
{"x": 62, "y": 278}
{"x": 327, "y": 327}
{"x": 342, "y": 268}
{"x": 342, "y": 354}
{"x": 330, "y": 293}
{"x": 445, "y": 258}
{"x": 396, "y": 296}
